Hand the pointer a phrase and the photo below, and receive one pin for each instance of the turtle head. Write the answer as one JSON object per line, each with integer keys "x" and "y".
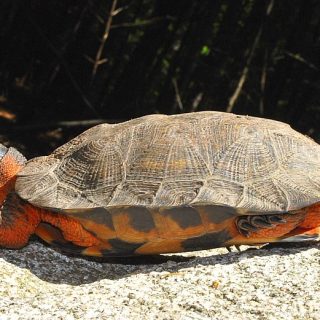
{"x": 12, "y": 222}
{"x": 11, "y": 162}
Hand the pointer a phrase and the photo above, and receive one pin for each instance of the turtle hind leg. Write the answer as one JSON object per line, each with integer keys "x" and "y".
{"x": 312, "y": 218}
{"x": 309, "y": 228}
{"x": 302, "y": 235}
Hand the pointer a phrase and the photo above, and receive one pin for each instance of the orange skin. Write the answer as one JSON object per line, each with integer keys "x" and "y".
{"x": 312, "y": 219}
{"x": 24, "y": 220}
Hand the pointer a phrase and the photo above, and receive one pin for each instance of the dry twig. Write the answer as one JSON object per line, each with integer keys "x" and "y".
{"x": 142, "y": 23}
{"x": 246, "y": 68}
{"x": 298, "y": 57}
{"x": 263, "y": 81}
{"x": 178, "y": 97}
{"x": 98, "y": 60}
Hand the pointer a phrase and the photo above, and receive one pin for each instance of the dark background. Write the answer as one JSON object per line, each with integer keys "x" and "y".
{"x": 63, "y": 62}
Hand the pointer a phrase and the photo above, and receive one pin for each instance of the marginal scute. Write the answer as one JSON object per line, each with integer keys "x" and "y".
{"x": 221, "y": 190}
{"x": 168, "y": 161}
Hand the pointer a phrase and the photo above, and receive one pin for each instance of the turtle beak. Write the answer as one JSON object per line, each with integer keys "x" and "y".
{"x": 3, "y": 151}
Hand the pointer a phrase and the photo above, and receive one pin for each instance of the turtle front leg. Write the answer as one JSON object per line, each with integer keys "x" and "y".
{"x": 260, "y": 229}
{"x": 248, "y": 224}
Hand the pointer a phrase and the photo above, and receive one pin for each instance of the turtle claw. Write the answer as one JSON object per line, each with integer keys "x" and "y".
{"x": 248, "y": 224}
{"x": 261, "y": 222}
{"x": 229, "y": 248}
{"x": 276, "y": 219}
{"x": 245, "y": 227}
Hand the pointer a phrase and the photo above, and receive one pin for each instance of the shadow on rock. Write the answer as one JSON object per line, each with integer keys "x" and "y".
{"x": 52, "y": 266}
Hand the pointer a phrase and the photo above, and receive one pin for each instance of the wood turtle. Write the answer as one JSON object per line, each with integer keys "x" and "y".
{"x": 161, "y": 184}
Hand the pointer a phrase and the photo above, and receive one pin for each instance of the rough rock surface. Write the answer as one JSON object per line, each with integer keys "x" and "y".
{"x": 38, "y": 282}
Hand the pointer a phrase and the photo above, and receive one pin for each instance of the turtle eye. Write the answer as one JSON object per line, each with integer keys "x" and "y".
{"x": 3, "y": 151}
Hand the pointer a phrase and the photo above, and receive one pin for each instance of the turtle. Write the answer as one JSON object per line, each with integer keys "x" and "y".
{"x": 165, "y": 184}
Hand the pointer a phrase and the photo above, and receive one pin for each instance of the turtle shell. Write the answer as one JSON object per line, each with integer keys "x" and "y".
{"x": 170, "y": 161}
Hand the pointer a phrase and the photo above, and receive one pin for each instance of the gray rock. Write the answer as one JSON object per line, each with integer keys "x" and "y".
{"x": 38, "y": 282}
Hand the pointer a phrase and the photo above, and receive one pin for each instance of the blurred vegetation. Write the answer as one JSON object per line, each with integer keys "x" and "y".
{"x": 116, "y": 59}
